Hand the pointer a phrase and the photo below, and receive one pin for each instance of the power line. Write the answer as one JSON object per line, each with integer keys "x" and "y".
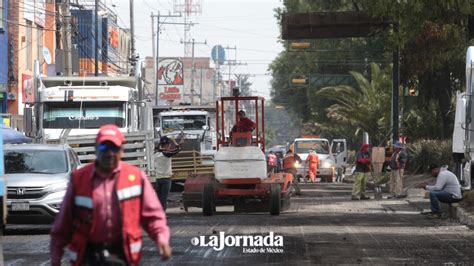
{"x": 27, "y": 26}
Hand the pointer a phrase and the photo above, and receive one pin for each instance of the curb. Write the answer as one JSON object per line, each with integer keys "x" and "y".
{"x": 463, "y": 216}
{"x": 456, "y": 212}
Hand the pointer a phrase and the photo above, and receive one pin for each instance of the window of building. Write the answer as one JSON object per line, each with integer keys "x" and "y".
{"x": 40, "y": 43}
{"x": 28, "y": 43}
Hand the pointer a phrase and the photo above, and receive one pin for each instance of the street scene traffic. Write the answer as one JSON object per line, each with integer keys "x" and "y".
{"x": 229, "y": 132}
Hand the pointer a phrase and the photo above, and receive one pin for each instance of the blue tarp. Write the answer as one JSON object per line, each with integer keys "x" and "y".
{"x": 10, "y": 135}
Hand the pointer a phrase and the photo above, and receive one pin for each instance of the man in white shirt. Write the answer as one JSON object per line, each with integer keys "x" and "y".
{"x": 446, "y": 189}
{"x": 166, "y": 149}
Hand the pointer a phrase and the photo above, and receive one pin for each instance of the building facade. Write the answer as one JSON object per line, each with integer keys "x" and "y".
{"x": 4, "y": 54}
{"x": 31, "y": 31}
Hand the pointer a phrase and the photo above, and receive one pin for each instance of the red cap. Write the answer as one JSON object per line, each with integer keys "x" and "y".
{"x": 364, "y": 147}
{"x": 110, "y": 133}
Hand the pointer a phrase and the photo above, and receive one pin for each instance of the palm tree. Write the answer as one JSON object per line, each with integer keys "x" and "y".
{"x": 365, "y": 107}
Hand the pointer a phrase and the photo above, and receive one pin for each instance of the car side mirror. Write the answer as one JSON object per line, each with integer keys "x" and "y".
{"x": 205, "y": 128}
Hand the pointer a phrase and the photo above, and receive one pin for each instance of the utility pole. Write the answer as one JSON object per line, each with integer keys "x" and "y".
{"x": 132, "y": 35}
{"x": 155, "y": 65}
{"x": 230, "y": 63}
{"x": 193, "y": 67}
{"x": 96, "y": 54}
{"x": 66, "y": 37}
{"x": 157, "y": 60}
{"x": 187, "y": 7}
{"x": 153, "y": 34}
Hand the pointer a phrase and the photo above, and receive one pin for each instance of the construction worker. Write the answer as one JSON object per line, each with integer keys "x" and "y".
{"x": 397, "y": 166}
{"x": 312, "y": 162}
{"x": 289, "y": 166}
{"x": 363, "y": 164}
{"x": 272, "y": 162}
{"x": 105, "y": 207}
{"x": 165, "y": 149}
{"x": 244, "y": 124}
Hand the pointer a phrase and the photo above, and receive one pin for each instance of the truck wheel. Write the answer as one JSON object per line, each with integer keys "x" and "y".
{"x": 275, "y": 199}
{"x": 208, "y": 205}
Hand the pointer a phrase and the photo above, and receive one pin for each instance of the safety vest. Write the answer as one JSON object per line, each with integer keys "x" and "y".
{"x": 289, "y": 161}
{"x": 272, "y": 160}
{"x": 313, "y": 158}
{"x": 129, "y": 189}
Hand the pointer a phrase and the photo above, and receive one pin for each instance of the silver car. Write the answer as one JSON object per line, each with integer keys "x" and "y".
{"x": 37, "y": 177}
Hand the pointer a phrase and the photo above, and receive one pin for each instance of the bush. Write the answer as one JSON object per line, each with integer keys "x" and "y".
{"x": 425, "y": 152}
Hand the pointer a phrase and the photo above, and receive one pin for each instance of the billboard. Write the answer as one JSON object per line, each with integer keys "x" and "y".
{"x": 27, "y": 89}
{"x": 170, "y": 79}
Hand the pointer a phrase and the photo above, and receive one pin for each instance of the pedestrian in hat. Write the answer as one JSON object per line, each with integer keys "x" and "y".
{"x": 107, "y": 203}
{"x": 165, "y": 150}
{"x": 397, "y": 166}
{"x": 363, "y": 164}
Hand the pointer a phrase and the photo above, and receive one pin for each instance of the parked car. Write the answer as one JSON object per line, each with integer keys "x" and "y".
{"x": 37, "y": 177}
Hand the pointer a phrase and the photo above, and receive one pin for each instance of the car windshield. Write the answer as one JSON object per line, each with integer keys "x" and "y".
{"x": 319, "y": 146}
{"x": 35, "y": 161}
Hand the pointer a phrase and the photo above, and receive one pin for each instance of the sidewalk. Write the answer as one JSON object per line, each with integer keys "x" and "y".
{"x": 416, "y": 199}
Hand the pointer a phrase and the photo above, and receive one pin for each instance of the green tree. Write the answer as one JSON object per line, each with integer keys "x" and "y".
{"x": 365, "y": 107}
{"x": 432, "y": 37}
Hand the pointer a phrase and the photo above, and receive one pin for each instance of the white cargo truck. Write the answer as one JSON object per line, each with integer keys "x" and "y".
{"x": 463, "y": 135}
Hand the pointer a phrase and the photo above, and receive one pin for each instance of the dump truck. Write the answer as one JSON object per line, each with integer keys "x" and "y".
{"x": 193, "y": 125}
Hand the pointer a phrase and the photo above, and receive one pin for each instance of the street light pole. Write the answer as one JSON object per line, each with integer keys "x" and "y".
{"x": 395, "y": 88}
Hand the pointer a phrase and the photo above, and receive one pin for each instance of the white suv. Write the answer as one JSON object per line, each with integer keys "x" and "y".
{"x": 37, "y": 176}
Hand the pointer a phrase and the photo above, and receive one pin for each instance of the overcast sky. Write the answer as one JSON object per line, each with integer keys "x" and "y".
{"x": 248, "y": 25}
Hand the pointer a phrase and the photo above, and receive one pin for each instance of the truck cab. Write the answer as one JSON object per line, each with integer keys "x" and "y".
{"x": 332, "y": 157}
{"x": 192, "y": 125}
{"x": 81, "y": 105}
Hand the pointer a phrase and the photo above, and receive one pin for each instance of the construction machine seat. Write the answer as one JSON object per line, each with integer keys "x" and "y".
{"x": 241, "y": 139}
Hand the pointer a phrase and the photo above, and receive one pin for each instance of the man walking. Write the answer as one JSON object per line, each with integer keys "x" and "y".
{"x": 447, "y": 189}
{"x": 397, "y": 166}
{"x": 106, "y": 205}
{"x": 362, "y": 169}
{"x": 167, "y": 148}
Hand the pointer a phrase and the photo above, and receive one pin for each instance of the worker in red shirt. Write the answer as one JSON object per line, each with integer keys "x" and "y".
{"x": 106, "y": 205}
{"x": 289, "y": 166}
{"x": 244, "y": 124}
{"x": 312, "y": 162}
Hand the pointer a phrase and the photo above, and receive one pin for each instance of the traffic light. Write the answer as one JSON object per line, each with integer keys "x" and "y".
{"x": 300, "y": 45}
{"x": 299, "y": 81}
{"x": 412, "y": 92}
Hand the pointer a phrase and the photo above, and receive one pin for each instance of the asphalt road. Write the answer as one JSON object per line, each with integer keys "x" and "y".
{"x": 323, "y": 226}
